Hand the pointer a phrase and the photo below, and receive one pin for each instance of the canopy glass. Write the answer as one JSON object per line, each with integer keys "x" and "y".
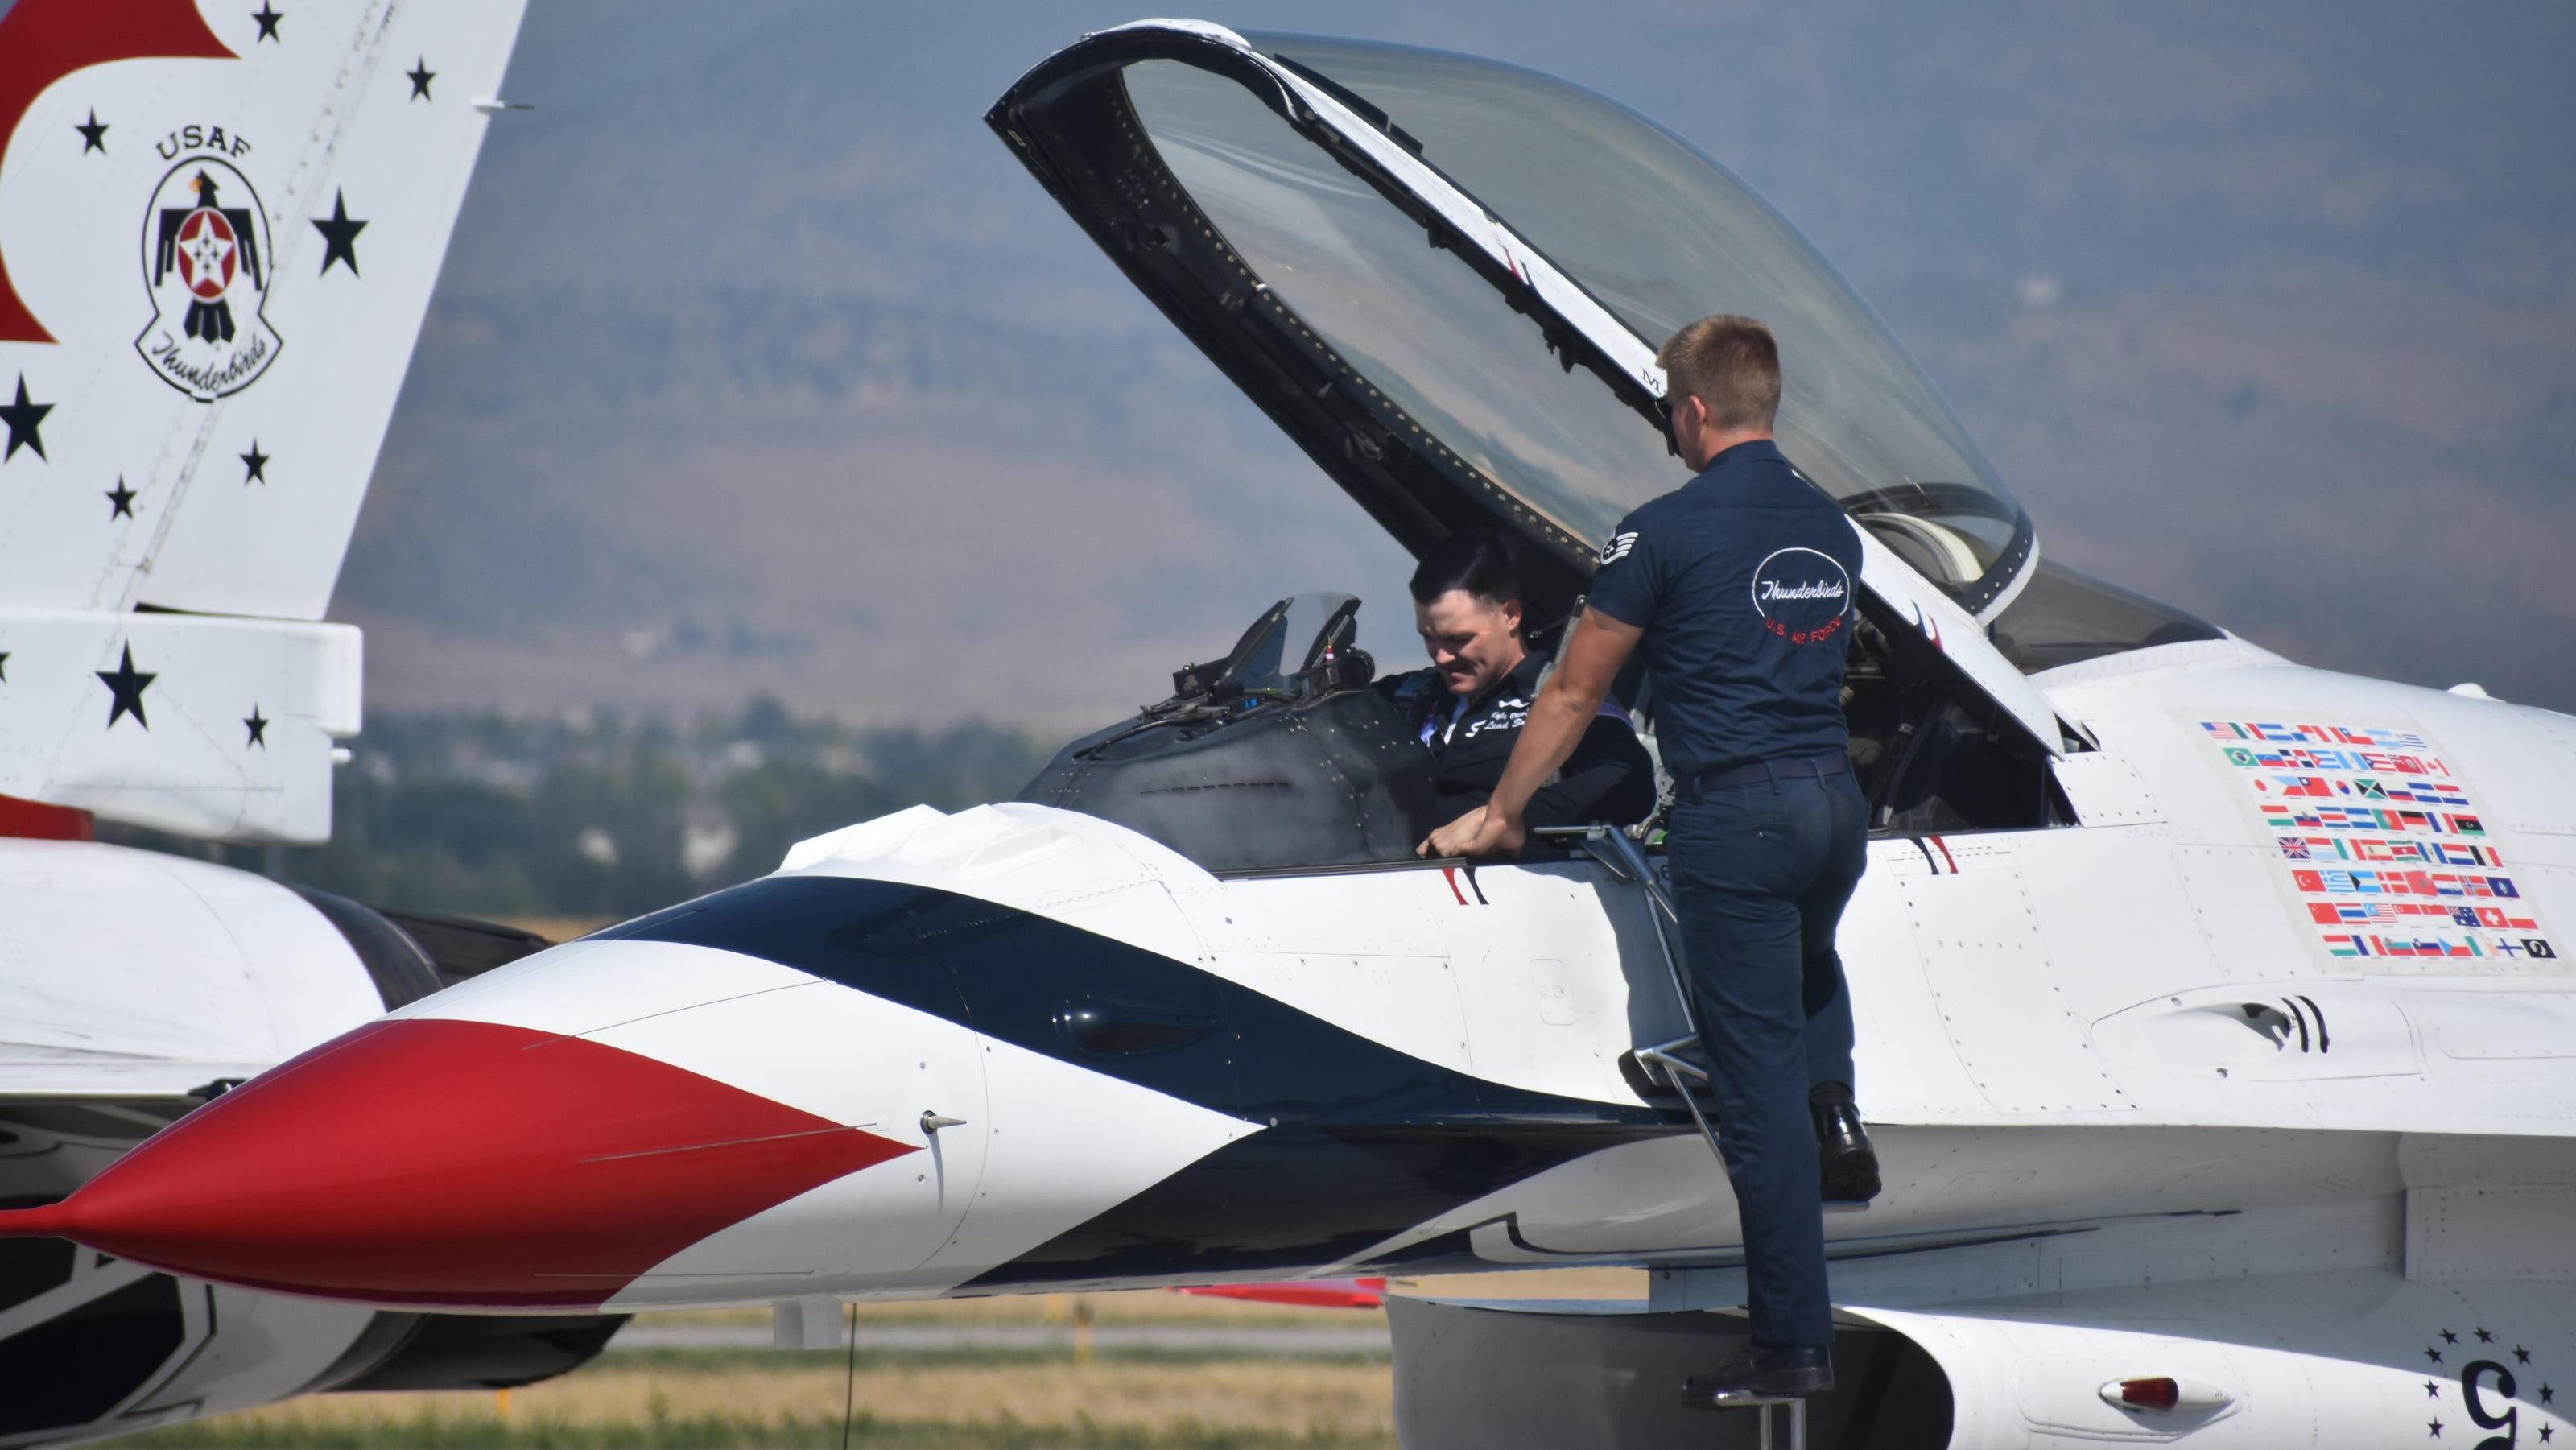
{"x": 1657, "y": 233}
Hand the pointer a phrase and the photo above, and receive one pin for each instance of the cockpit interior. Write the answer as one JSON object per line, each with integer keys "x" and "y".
{"x": 1276, "y": 756}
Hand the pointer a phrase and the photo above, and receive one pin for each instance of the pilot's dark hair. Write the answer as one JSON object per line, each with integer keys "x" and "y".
{"x": 1478, "y": 560}
{"x": 1730, "y": 363}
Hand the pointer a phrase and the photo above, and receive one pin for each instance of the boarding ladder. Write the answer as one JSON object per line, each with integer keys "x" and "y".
{"x": 1663, "y": 1061}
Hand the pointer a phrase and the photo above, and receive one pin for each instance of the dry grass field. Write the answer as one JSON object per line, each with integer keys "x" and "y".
{"x": 944, "y": 1398}
{"x": 1016, "y": 1402}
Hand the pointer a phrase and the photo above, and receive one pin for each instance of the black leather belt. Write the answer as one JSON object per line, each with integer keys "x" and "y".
{"x": 1819, "y": 765}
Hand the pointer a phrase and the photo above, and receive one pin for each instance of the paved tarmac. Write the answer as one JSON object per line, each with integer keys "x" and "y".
{"x": 1202, "y": 1339}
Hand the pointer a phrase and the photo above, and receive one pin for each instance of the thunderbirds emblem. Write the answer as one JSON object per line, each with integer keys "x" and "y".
{"x": 205, "y": 261}
{"x": 1802, "y": 595}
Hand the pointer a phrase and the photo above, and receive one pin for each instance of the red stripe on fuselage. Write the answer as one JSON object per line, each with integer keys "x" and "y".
{"x": 430, "y": 1161}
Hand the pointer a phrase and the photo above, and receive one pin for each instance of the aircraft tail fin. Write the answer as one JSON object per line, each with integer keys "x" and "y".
{"x": 219, "y": 230}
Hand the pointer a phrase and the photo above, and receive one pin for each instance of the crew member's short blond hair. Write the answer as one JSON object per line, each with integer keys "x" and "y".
{"x": 1730, "y": 363}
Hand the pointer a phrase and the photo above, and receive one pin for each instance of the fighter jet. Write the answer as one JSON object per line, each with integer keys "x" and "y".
{"x": 2213, "y": 1030}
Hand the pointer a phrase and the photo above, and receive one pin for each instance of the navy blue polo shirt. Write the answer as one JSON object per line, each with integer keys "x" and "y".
{"x": 1743, "y": 581}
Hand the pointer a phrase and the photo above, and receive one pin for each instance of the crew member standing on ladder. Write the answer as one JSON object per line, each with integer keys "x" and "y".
{"x": 1740, "y": 586}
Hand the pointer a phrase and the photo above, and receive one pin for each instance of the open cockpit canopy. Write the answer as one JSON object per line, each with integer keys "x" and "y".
{"x": 1446, "y": 278}
{"x": 1405, "y": 254}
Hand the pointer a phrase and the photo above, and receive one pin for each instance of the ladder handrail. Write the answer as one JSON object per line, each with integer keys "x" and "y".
{"x": 1615, "y": 851}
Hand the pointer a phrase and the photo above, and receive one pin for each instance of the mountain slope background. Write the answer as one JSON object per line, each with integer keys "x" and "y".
{"x": 758, "y": 366}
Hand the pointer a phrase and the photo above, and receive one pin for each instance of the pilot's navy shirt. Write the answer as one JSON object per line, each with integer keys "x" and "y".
{"x": 1742, "y": 580}
{"x": 1608, "y": 779}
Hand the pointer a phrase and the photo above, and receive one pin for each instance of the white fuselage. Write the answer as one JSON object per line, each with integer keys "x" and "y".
{"x": 2081, "y": 1027}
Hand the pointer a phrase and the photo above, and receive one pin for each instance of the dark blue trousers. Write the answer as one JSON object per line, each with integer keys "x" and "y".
{"x": 1760, "y": 875}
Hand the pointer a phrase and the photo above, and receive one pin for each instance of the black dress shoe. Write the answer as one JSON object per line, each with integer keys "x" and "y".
{"x": 1848, "y": 1164}
{"x": 1762, "y": 1372}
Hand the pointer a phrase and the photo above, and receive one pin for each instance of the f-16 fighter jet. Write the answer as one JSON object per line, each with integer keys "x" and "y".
{"x": 2213, "y": 1026}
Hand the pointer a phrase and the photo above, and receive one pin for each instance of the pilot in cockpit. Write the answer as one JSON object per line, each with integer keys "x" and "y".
{"x": 1469, "y": 707}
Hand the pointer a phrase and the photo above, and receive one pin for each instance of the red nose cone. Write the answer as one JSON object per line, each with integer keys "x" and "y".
{"x": 428, "y": 1161}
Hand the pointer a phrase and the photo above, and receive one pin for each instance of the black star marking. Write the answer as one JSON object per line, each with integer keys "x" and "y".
{"x": 24, "y": 418}
{"x": 2483, "y": 1336}
{"x": 121, "y": 499}
{"x": 267, "y": 16}
{"x": 126, "y": 684}
{"x": 339, "y": 235}
{"x": 93, "y": 134}
{"x": 2521, "y": 1355}
{"x": 2432, "y": 1354}
{"x": 2432, "y": 1390}
{"x": 257, "y": 724}
{"x": 2449, "y": 1338}
{"x": 420, "y": 76}
{"x": 2546, "y": 1431}
{"x": 254, "y": 464}
{"x": 2437, "y": 1428}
